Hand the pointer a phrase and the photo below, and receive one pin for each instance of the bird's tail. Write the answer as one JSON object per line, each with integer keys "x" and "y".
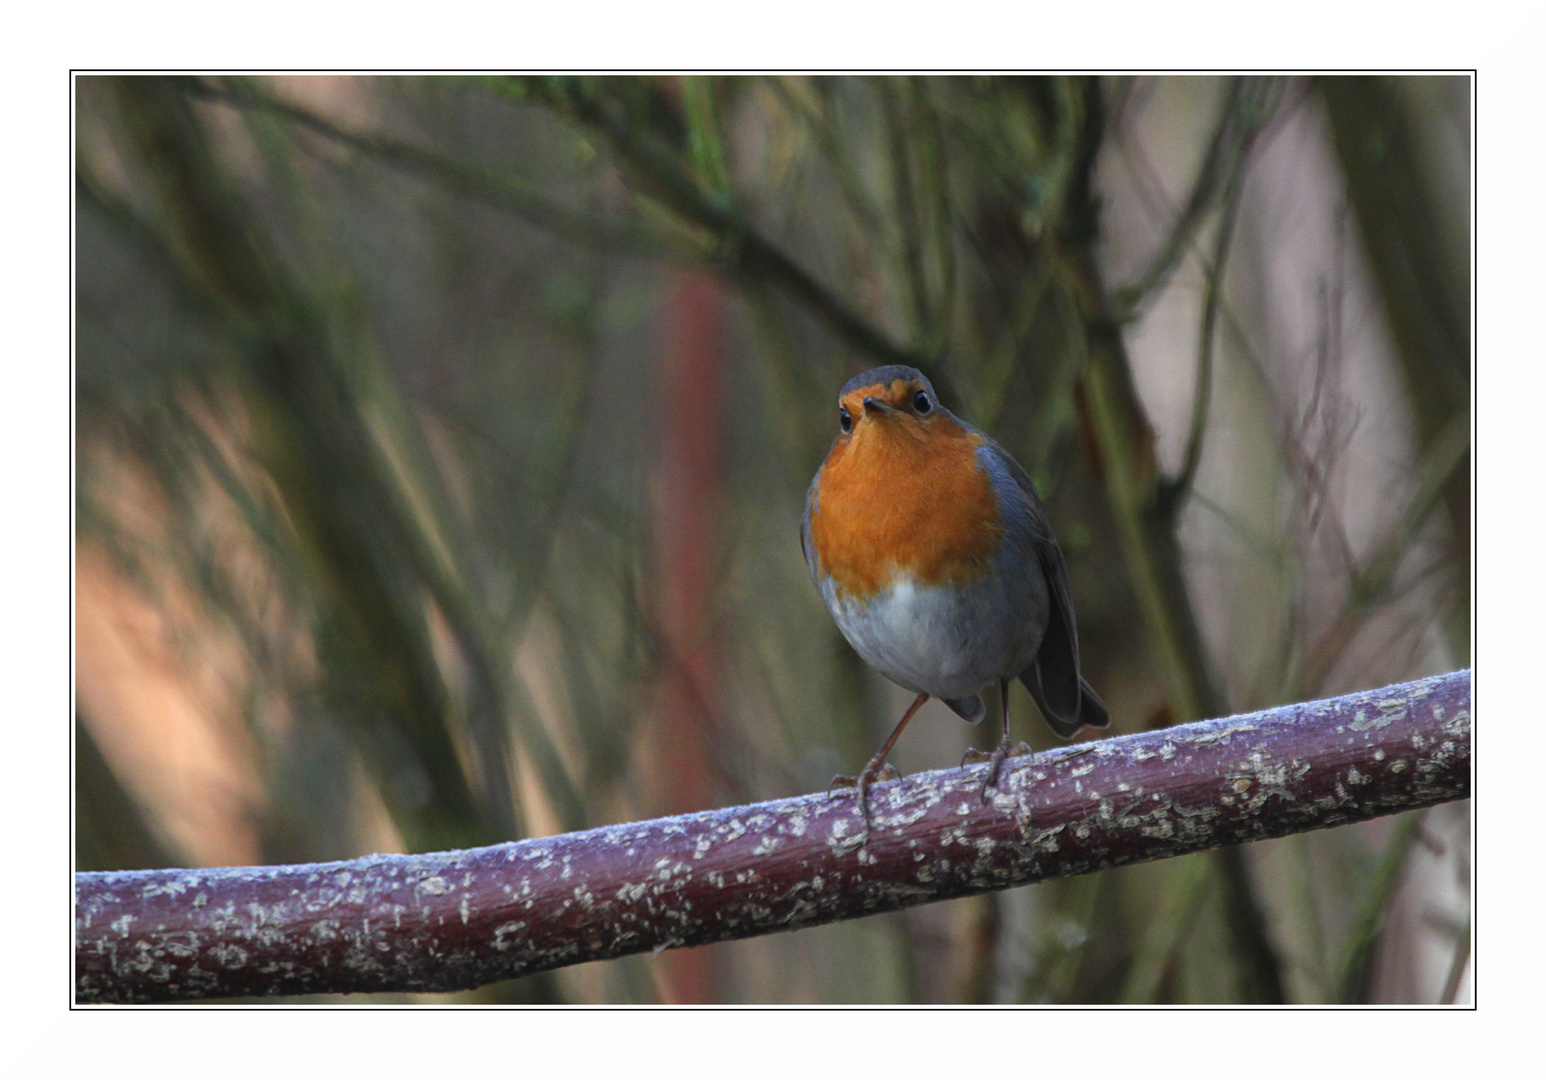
{"x": 971, "y": 709}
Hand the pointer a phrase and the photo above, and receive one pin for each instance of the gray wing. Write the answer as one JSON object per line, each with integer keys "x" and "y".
{"x": 1065, "y": 699}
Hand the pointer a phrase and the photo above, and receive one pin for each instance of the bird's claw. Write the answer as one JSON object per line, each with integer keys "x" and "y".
{"x": 866, "y": 778}
{"x": 861, "y": 784}
{"x": 841, "y": 782}
{"x": 1004, "y": 750}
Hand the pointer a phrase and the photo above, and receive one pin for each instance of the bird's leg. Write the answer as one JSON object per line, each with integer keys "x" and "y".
{"x": 1005, "y": 748}
{"x": 877, "y": 769}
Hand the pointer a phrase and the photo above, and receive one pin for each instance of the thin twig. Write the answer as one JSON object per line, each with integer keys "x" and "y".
{"x": 859, "y": 201}
{"x": 1172, "y": 494}
{"x": 1371, "y": 585}
{"x": 1248, "y": 104}
{"x": 1423, "y": 278}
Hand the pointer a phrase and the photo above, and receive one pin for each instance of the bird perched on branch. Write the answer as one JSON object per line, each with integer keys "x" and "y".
{"x": 934, "y": 554}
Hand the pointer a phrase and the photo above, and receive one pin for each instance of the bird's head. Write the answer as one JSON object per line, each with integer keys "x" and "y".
{"x": 884, "y": 403}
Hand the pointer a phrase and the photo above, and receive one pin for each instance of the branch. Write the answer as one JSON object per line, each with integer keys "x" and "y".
{"x": 1123, "y": 443}
{"x": 738, "y": 248}
{"x": 741, "y": 249}
{"x": 344, "y": 504}
{"x": 459, "y": 919}
{"x": 1173, "y": 493}
{"x": 468, "y": 181}
{"x": 1124, "y": 451}
{"x": 1358, "y": 965}
{"x": 1423, "y": 277}
{"x": 1248, "y": 105}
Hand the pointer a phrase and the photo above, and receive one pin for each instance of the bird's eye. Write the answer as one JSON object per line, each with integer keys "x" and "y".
{"x": 921, "y": 403}
{"x": 845, "y": 421}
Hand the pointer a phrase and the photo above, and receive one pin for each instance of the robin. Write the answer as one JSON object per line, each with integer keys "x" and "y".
{"x": 934, "y": 554}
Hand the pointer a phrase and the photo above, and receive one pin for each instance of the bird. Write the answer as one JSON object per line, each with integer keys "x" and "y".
{"x": 936, "y": 558}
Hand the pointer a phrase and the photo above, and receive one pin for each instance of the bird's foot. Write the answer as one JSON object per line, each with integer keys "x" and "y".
{"x": 875, "y": 771}
{"x": 1005, "y": 749}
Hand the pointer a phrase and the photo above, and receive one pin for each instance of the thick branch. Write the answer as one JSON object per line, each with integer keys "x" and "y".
{"x": 463, "y": 918}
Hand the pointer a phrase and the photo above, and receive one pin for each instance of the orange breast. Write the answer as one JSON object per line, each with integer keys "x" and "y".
{"x": 904, "y": 495}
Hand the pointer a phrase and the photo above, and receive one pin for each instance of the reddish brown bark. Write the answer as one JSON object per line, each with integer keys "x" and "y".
{"x": 463, "y": 918}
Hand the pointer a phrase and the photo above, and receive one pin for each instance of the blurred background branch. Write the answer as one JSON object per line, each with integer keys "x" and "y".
{"x": 738, "y": 247}
{"x": 1424, "y": 275}
{"x": 442, "y": 442}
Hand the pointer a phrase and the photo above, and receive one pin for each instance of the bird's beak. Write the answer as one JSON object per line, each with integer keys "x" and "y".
{"x": 877, "y": 407}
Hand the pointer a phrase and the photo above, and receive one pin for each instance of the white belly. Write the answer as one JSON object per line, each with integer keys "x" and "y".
{"x": 944, "y": 642}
